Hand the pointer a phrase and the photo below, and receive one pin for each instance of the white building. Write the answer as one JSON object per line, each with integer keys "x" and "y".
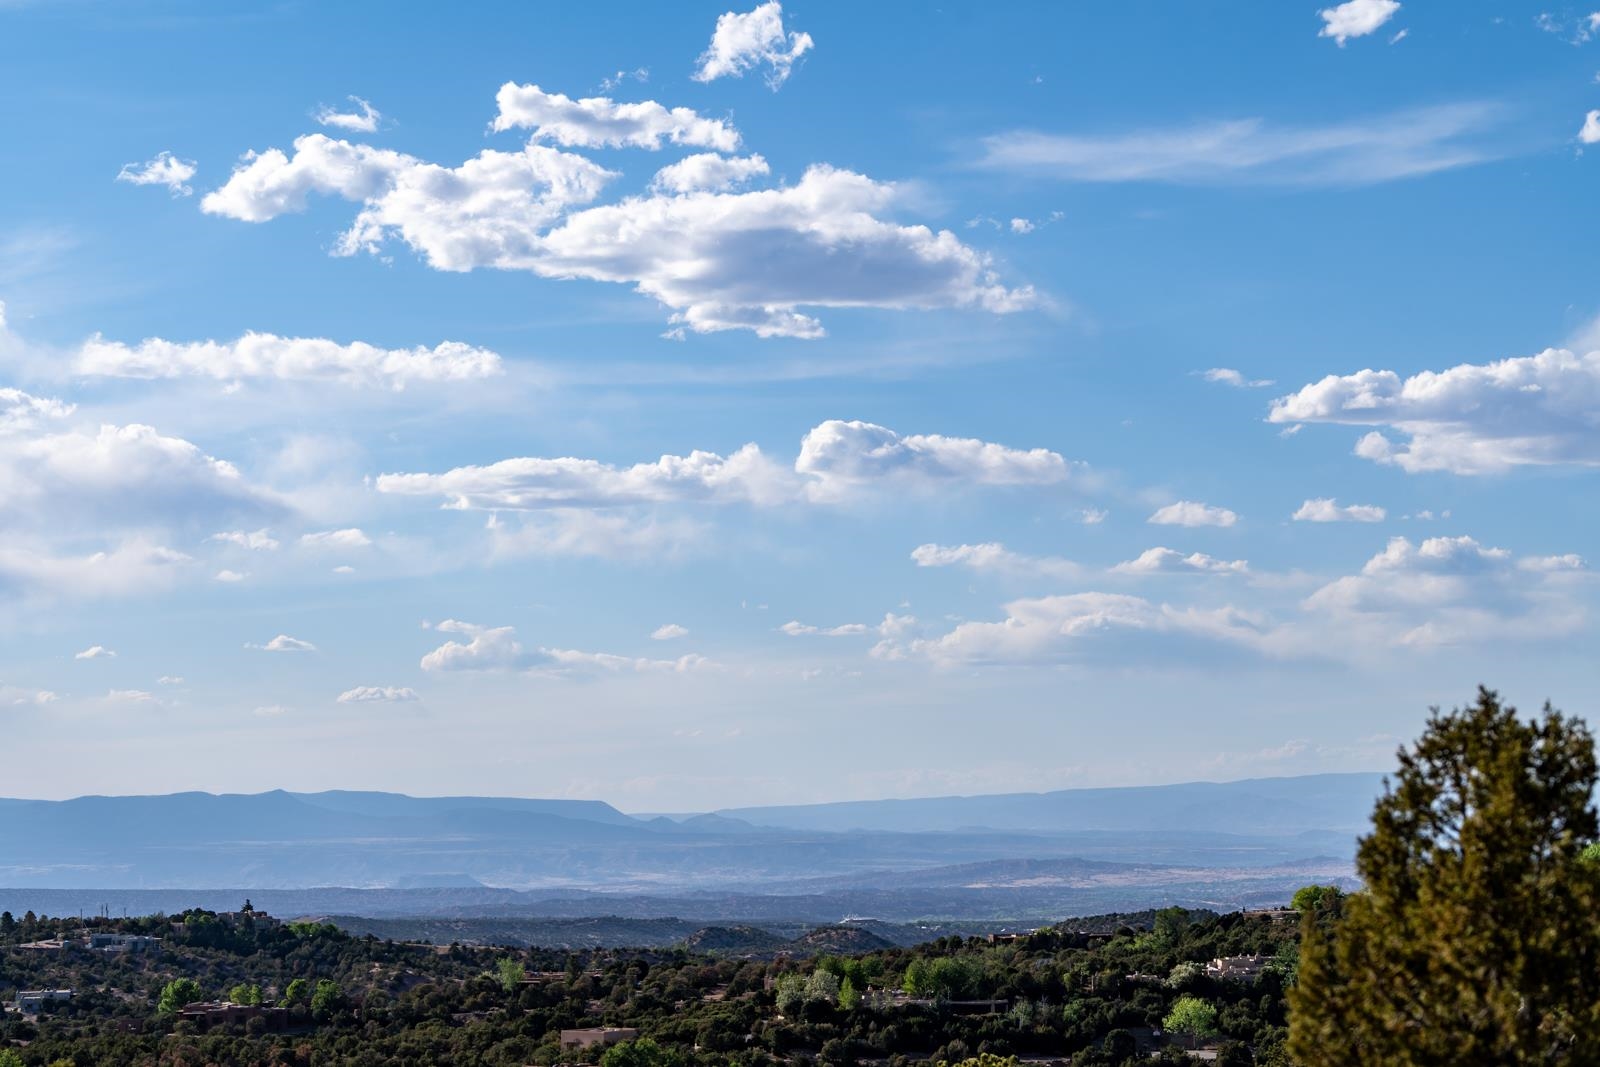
{"x": 1239, "y": 968}
{"x": 113, "y": 943}
{"x": 30, "y": 1001}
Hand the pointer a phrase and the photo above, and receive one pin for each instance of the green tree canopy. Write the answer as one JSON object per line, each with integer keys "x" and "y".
{"x": 641, "y": 1053}
{"x": 298, "y": 992}
{"x": 511, "y": 972}
{"x": 1311, "y": 897}
{"x": 1169, "y": 926}
{"x": 178, "y": 993}
{"x": 326, "y": 999}
{"x": 1475, "y": 939}
{"x": 1191, "y": 1017}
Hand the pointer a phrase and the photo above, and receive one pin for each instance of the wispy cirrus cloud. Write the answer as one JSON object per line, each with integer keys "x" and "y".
{"x": 1230, "y": 376}
{"x": 1256, "y": 151}
{"x": 378, "y": 694}
{"x": 993, "y": 557}
{"x": 364, "y": 119}
{"x": 350, "y": 537}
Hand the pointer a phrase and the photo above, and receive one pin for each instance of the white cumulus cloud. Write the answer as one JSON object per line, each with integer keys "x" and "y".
{"x": 1162, "y": 560}
{"x": 1471, "y": 419}
{"x": 751, "y": 260}
{"x": 599, "y": 122}
{"x": 1192, "y": 513}
{"x": 742, "y": 42}
{"x": 1087, "y": 627}
{"x": 718, "y": 260}
{"x": 796, "y": 628}
{"x": 1590, "y": 133}
{"x": 669, "y": 632}
{"x": 841, "y": 455}
{"x": 1356, "y": 18}
{"x": 497, "y": 649}
{"x": 534, "y": 483}
{"x": 254, "y": 540}
{"x": 129, "y": 476}
{"x": 708, "y": 172}
{"x": 1452, "y": 591}
{"x": 836, "y": 459}
{"x": 165, "y": 169}
{"x": 283, "y": 643}
{"x": 265, "y": 355}
{"x": 21, "y": 411}
{"x": 1326, "y": 509}
{"x": 95, "y": 652}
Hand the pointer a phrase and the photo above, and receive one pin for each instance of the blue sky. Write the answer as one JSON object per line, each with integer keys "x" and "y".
{"x": 690, "y": 407}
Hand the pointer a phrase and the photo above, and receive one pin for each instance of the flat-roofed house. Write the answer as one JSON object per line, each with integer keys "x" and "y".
{"x": 597, "y": 1036}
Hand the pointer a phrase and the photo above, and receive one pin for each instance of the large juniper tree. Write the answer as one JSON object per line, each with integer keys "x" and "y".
{"x": 1477, "y": 937}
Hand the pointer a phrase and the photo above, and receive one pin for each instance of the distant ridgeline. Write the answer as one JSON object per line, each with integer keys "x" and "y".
{"x": 1020, "y": 856}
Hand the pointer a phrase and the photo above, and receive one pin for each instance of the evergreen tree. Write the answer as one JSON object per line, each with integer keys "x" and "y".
{"x": 297, "y": 993}
{"x": 1475, "y": 938}
{"x": 177, "y": 994}
{"x": 326, "y": 999}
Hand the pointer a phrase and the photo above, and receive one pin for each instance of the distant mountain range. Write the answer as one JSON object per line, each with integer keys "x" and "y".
{"x": 942, "y": 855}
{"x": 1260, "y": 806}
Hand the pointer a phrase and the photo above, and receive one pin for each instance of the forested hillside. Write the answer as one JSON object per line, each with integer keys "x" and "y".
{"x": 1096, "y": 992}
